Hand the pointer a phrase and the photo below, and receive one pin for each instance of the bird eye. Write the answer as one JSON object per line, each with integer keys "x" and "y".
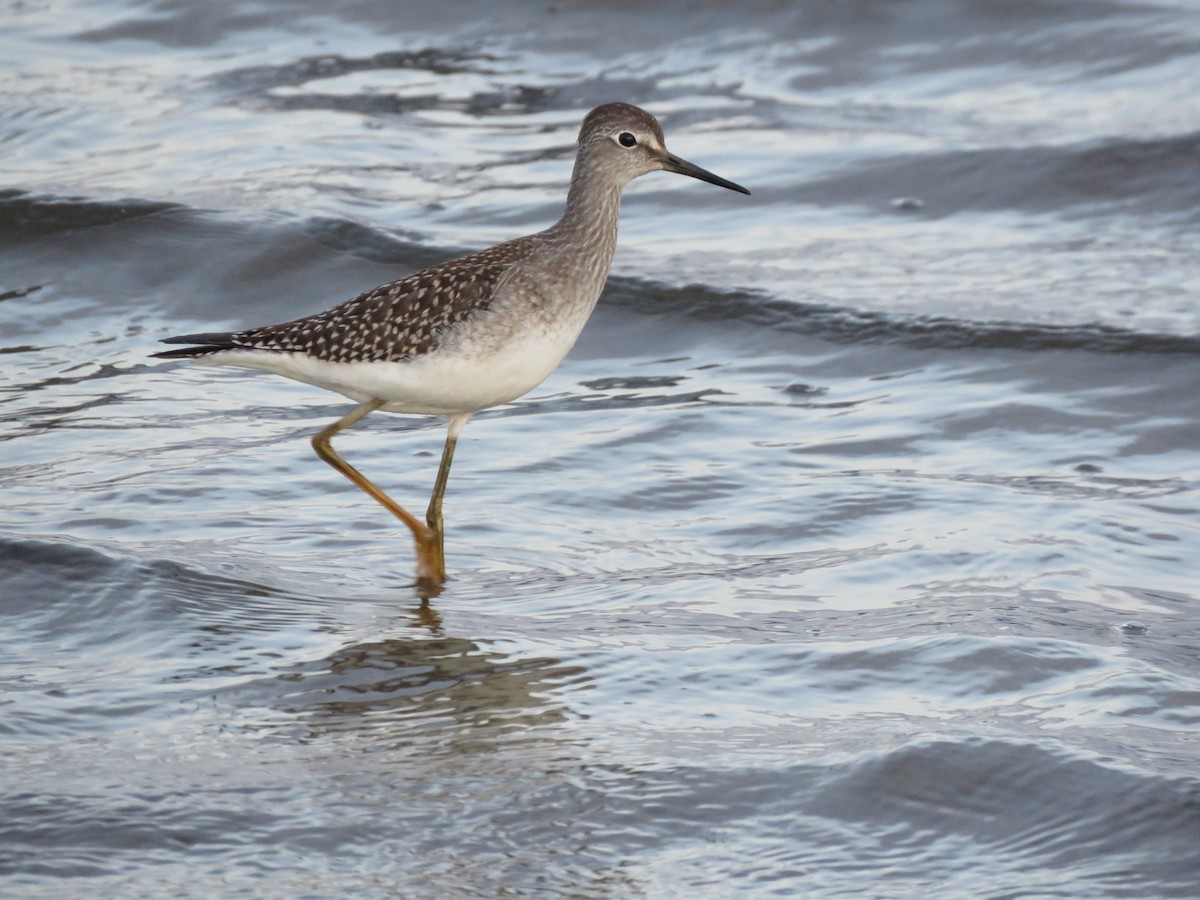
{"x": 627, "y": 139}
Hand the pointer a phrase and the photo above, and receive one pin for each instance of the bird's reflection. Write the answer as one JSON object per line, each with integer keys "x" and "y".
{"x": 425, "y": 616}
{"x": 398, "y": 689}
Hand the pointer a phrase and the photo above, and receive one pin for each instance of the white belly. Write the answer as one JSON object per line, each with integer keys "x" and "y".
{"x": 462, "y": 379}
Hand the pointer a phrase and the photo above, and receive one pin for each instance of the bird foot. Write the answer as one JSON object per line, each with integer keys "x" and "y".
{"x": 431, "y": 564}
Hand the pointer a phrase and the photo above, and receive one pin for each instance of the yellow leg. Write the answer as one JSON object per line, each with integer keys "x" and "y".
{"x": 433, "y": 516}
{"x": 431, "y": 563}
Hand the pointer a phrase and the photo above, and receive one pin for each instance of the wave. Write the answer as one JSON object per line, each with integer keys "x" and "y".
{"x": 24, "y": 216}
{"x": 847, "y": 326}
{"x": 36, "y": 215}
{"x": 1156, "y": 176}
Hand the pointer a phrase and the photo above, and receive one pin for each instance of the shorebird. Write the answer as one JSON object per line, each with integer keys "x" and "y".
{"x": 467, "y": 334}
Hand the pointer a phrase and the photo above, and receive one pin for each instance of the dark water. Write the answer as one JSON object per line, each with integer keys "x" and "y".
{"x": 853, "y": 552}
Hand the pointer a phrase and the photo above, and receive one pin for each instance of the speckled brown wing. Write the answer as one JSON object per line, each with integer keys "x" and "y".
{"x": 396, "y": 321}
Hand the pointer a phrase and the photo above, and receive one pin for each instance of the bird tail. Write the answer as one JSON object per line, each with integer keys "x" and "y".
{"x": 203, "y": 345}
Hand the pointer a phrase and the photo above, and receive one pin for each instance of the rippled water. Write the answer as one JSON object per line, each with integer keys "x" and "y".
{"x": 851, "y": 553}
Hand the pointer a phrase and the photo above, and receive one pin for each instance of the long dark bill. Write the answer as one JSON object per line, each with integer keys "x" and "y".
{"x": 673, "y": 163}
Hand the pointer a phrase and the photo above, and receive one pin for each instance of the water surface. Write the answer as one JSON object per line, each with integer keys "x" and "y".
{"x": 851, "y": 552}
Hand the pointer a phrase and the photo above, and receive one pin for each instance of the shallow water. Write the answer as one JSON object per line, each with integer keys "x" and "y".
{"x": 851, "y": 553}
